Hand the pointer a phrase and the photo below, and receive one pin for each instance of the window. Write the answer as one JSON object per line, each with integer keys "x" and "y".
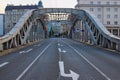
{"x": 99, "y": 9}
{"x": 11, "y": 13}
{"x": 91, "y": 9}
{"x": 8, "y": 26}
{"x": 108, "y": 3}
{"x": 14, "y": 18}
{"x": 91, "y": 2}
{"x": 99, "y": 2}
{"x": 108, "y": 22}
{"x": 115, "y": 3}
{"x": 7, "y": 13}
{"x": 108, "y": 16}
{"x": 116, "y": 9}
{"x": 14, "y": 24}
{"x": 116, "y": 23}
{"x": 20, "y": 13}
{"x": 115, "y": 32}
{"x": 108, "y": 9}
{"x": 99, "y": 16}
{"x": 115, "y": 16}
{"x": 109, "y": 30}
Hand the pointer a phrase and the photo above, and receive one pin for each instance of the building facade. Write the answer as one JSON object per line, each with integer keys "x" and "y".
{"x": 107, "y": 11}
{"x": 13, "y": 14}
{"x": 2, "y": 18}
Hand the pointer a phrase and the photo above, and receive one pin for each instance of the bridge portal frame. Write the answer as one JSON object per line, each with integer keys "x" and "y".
{"x": 98, "y": 34}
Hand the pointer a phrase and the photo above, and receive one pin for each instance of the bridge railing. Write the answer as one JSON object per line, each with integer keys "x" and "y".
{"x": 98, "y": 32}
{"x": 14, "y": 37}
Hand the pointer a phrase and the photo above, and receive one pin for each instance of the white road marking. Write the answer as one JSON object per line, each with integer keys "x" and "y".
{"x": 58, "y": 44}
{"x": 28, "y": 50}
{"x": 3, "y": 64}
{"x": 22, "y": 74}
{"x": 103, "y": 74}
{"x": 37, "y": 45}
{"x": 21, "y": 52}
{"x": 63, "y": 51}
{"x": 72, "y": 74}
{"x": 59, "y": 49}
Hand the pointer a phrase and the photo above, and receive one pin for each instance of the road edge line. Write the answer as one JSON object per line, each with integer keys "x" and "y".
{"x": 30, "y": 65}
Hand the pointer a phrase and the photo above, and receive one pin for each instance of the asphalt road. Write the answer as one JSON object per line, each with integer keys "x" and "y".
{"x": 60, "y": 59}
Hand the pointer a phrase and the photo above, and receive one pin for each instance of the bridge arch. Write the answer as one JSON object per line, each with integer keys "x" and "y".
{"x": 33, "y": 24}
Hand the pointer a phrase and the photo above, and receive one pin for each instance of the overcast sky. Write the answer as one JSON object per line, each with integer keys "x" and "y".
{"x": 46, "y": 3}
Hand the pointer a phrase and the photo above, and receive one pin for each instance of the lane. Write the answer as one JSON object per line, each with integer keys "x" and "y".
{"x": 31, "y": 64}
{"x": 79, "y": 65}
{"x": 19, "y": 62}
{"x": 46, "y": 67}
{"x": 108, "y": 62}
{"x": 15, "y": 54}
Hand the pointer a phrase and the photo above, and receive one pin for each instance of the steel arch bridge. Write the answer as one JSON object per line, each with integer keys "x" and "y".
{"x": 32, "y": 27}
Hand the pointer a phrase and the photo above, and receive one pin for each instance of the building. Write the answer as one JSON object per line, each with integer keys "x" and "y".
{"x": 2, "y": 18}
{"x": 107, "y": 11}
{"x": 13, "y": 14}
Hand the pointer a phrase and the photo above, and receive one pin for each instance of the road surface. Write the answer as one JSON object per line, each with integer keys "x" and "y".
{"x": 60, "y": 59}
